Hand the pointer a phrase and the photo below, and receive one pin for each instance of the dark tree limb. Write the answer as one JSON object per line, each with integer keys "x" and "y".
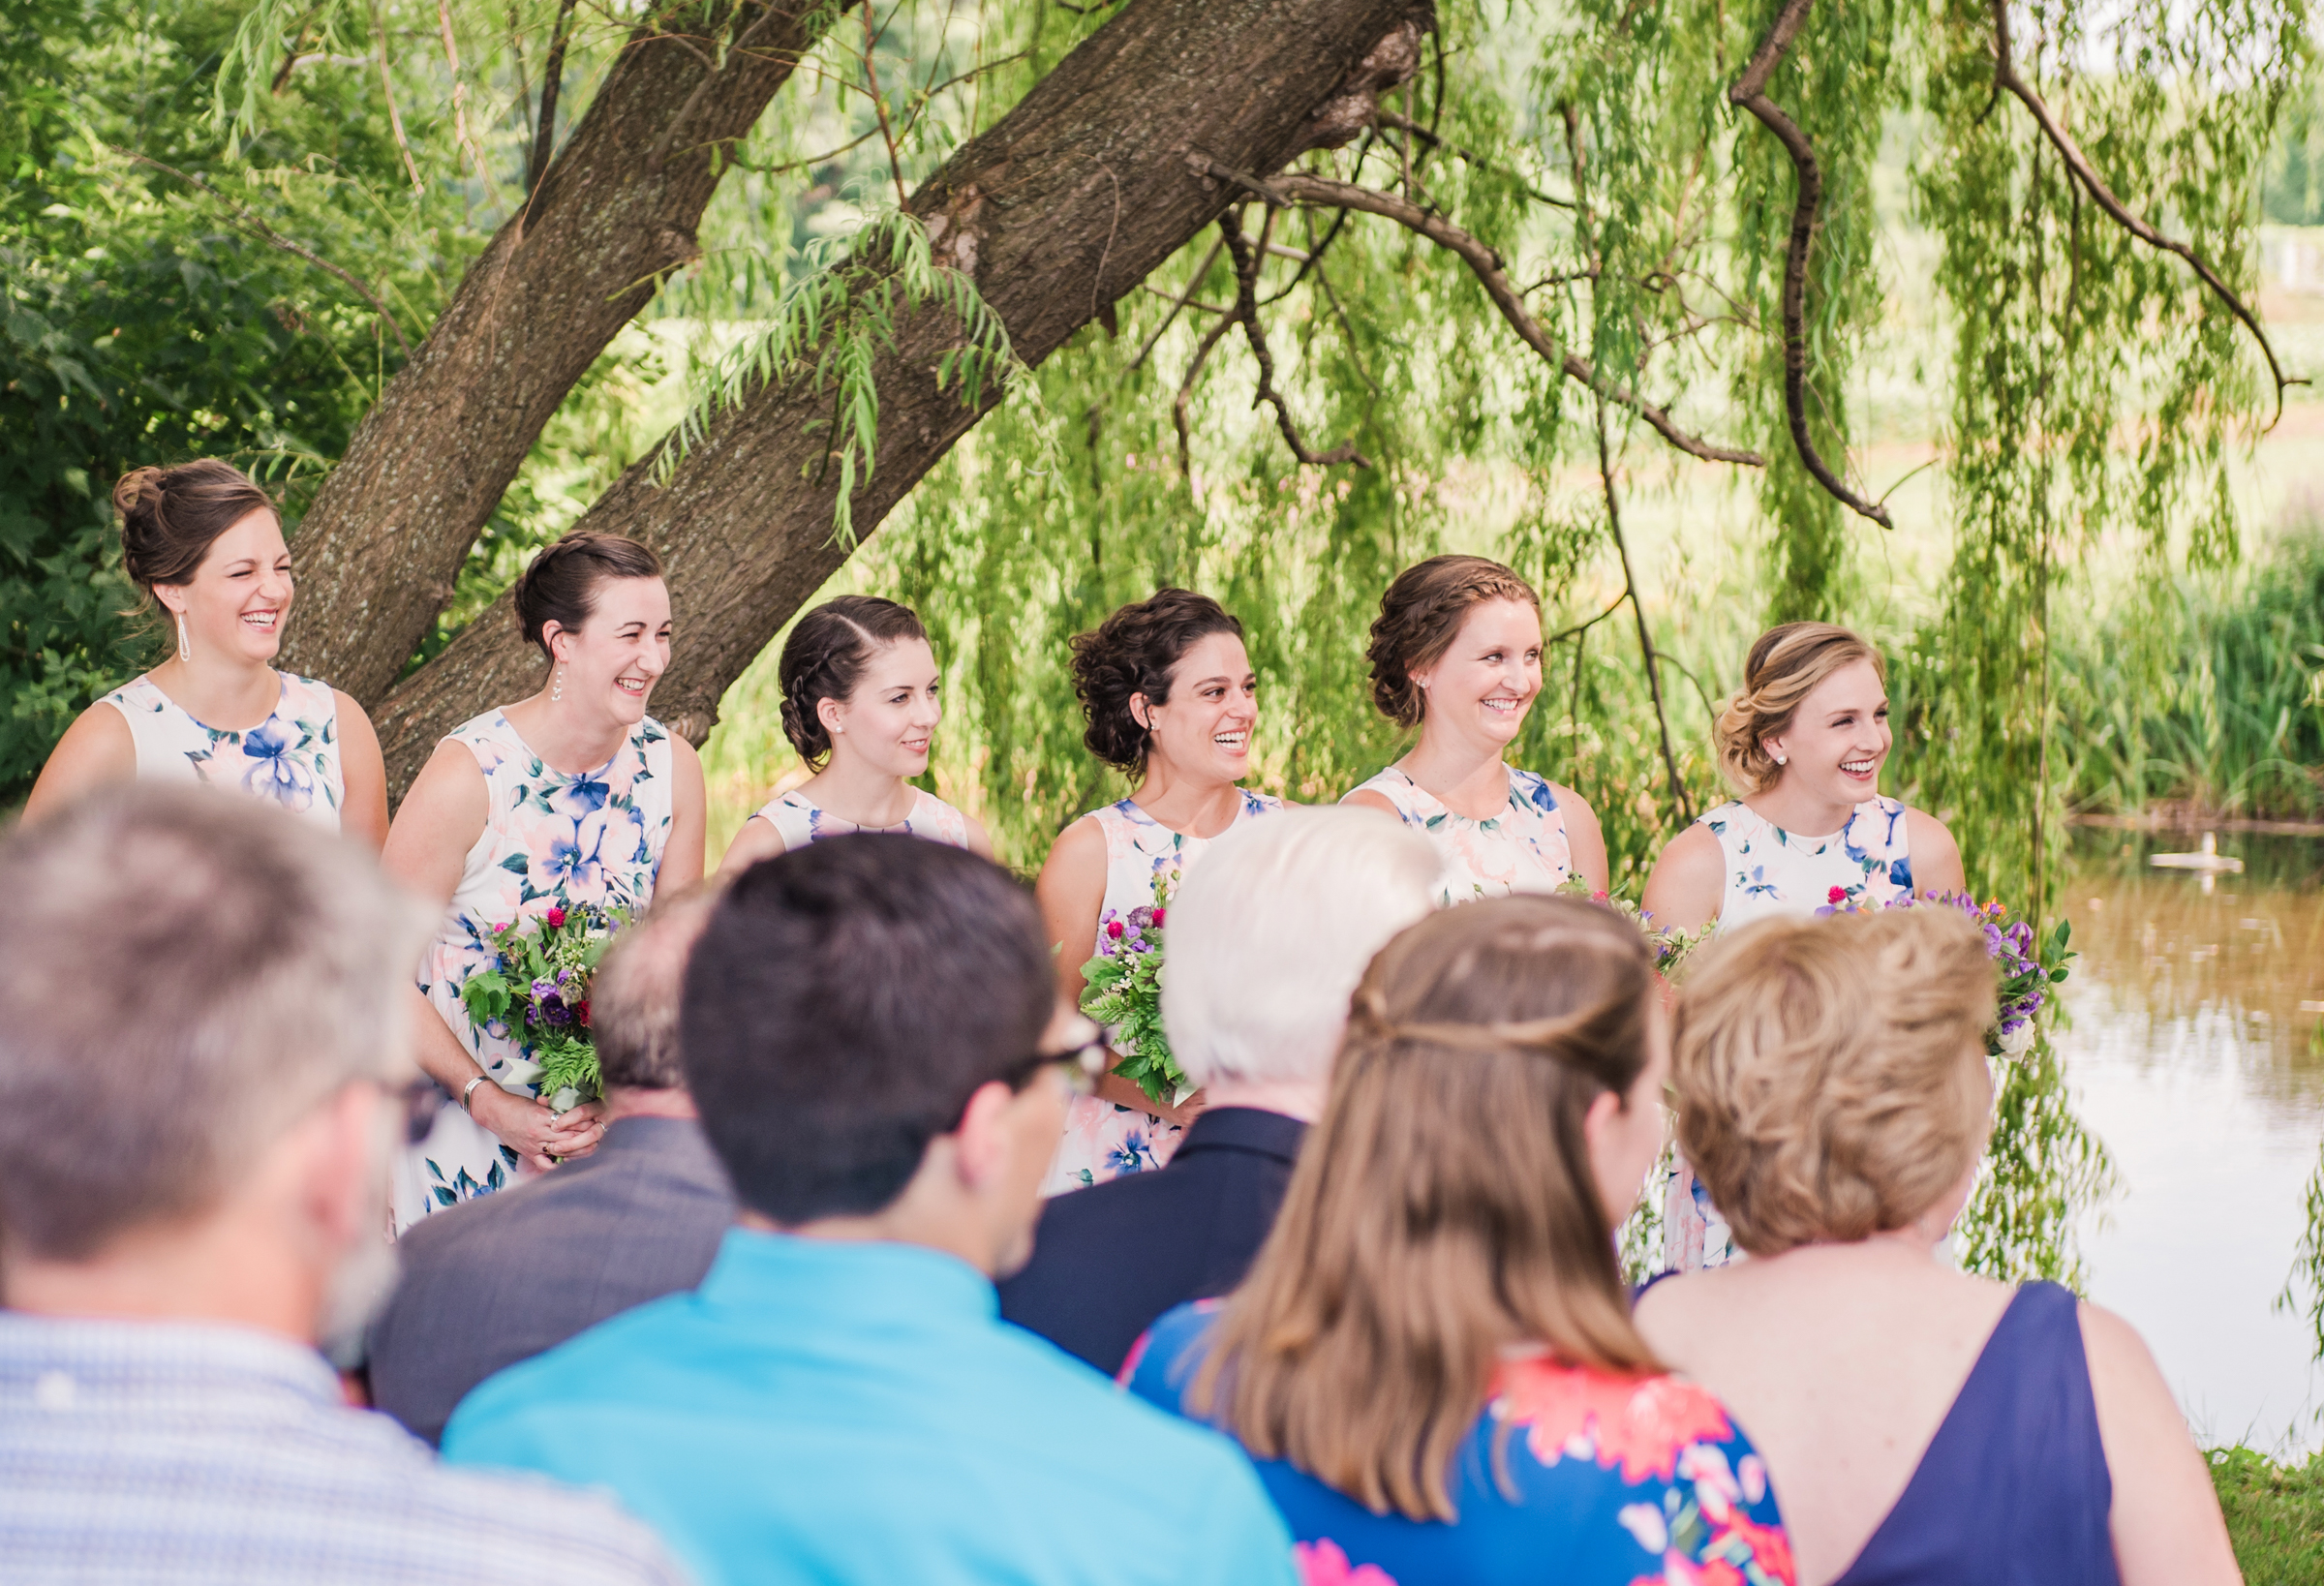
{"x": 1028, "y": 210}
{"x": 1298, "y": 187}
{"x": 2086, "y": 177}
{"x": 383, "y": 539}
{"x": 552, "y": 78}
{"x": 1246, "y": 310}
{"x": 1749, "y": 93}
{"x": 1630, "y": 587}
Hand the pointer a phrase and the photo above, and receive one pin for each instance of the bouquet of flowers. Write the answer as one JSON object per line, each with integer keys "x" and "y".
{"x": 1671, "y": 947}
{"x": 2030, "y": 963}
{"x": 537, "y": 988}
{"x": 1124, "y": 993}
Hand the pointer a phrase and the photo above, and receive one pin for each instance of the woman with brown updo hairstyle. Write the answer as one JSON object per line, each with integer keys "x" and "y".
{"x": 1171, "y": 702}
{"x": 861, "y": 700}
{"x": 205, "y": 545}
{"x": 572, "y": 798}
{"x": 1457, "y": 652}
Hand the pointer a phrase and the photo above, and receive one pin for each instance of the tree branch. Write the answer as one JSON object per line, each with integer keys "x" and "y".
{"x": 1749, "y": 93}
{"x": 552, "y": 78}
{"x": 2086, "y": 175}
{"x": 1247, "y": 309}
{"x": 1630, "y": 589}
{"x": 1297, "y": 188}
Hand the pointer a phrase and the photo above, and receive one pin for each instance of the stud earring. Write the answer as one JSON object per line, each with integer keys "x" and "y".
{"x": 185, "y": 648}
{"x": 1782, "y": 760}
{"x": 557, "y": 685}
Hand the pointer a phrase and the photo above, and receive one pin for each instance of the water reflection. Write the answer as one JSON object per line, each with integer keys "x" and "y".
{"x": 2190, "y": 1046}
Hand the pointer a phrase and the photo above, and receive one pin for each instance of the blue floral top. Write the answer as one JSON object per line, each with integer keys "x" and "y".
{"x": 1524, "y": 849}
{"x": 1609, "y": 1481}
{"x": 1769, "y": 870}
{"x": 292, "y": 758}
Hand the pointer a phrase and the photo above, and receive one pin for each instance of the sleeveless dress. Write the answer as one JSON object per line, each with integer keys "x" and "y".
{"x": 1770, "y": 871}
{"x": 2018, "y": 1454}
{"x": 1104, "y": 1140}
{"x": 550, "y": 841}
{"x": 290, "y": 758}
{"x": 1574, "y": 1476}
{"x": 1521, "y": 849}
{"x": 801, "y": 822}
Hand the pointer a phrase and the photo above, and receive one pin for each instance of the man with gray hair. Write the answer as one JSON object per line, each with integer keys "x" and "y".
{"x": 1264, "y": 945}
{"x": 504, "y": 1277}
{"x": 202, "y": 1065}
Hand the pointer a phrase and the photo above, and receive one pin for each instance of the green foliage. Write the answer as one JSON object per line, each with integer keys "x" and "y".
{"x": 2275, "y": 1515}
{"x": 560, "y": 950}
{"x": 1123, "y": 991}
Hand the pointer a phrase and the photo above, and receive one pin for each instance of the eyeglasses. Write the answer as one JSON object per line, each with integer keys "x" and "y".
{"x": 1081, "y": 1065}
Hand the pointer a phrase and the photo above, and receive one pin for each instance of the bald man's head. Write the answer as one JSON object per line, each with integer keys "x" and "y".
{"x": 633, "y": 1001}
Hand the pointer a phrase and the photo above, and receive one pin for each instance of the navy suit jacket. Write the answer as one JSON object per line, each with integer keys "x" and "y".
{"x": 505, "y": 1276}
{"x": 1108, "y": 1261}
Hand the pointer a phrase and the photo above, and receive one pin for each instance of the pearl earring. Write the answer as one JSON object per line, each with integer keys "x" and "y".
{"x": 185, "y": 648}
{"x": 557, "y": 686}
{"x": 1782, "y": 761}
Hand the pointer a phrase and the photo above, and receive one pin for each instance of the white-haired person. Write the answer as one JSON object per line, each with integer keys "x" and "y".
{"x": 1922, "y": 1425}
{"x": 1266, "y": 941}
{"x": 193, "y": 1194}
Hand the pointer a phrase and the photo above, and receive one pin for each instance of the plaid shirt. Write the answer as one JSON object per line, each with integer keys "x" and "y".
{"x": 143, "y": 1452}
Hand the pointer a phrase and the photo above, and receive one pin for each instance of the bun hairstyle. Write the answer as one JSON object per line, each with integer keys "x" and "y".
{"x": 824, "y": 658}
{"x": 561, "y": 586}
{"x": 1131, "y": 653}
{"x": 1784, "y": 668}
{"x": 1420, "y": 616}
{"x": 171, "y": 516}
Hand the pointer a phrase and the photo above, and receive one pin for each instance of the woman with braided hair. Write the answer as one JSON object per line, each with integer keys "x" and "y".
{"x": 861, "y": 701}
{"x": 1432, "y": 1361}
{"x": 1457, "y": 652}
{"x": 204, "y": 546}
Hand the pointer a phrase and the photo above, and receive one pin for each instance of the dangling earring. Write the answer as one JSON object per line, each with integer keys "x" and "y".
{"x": 185, "y": 648}
{"x": 557, "y": 684}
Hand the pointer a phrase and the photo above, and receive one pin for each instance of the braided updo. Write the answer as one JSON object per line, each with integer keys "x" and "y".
{"x": 824, "y": 658}
{"x": 1784, "y": 668}
{"x": 1419, "y": 617}
{"x": 171, "y": 516}
{"x": 560, "y": 585}
{"x": 1131, "y": 653}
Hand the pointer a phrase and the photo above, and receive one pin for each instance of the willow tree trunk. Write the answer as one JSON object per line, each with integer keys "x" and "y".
{"x": 380, "y": 549}
{"x": 1062, "y": 207}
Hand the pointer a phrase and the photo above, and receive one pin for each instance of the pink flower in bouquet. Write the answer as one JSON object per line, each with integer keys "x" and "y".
{"x": 1114, "y": 928}
{"x": 1157, "y": 919}
{"x": 582, "y": 1014}
{"x": 1839, "y": 896}
{"x": 556, "y": 916}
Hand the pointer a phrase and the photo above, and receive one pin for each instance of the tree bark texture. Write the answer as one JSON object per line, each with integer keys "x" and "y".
{"x": 1080, "y": 192}
{"x": 380, "y": 549}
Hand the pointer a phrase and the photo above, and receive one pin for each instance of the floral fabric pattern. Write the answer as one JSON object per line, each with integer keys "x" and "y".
{"x": 550, "y": 841}
{"x": 1521, "y": 849}
{"x": 1104, "y": 1140}
{"x": 292, "y": 758}
{"x": 1611, "y": 1480}
{"x": 801, "y": 822}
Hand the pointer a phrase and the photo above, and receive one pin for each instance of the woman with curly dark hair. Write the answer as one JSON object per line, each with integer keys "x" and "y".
{"x": 1171, "y": 700}
{"x": 1457, "y": 652}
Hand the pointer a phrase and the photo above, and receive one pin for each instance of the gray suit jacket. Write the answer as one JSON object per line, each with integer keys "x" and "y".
{"x": 504, "y": 1277}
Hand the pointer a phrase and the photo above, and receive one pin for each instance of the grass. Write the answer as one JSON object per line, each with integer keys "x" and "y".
{"x": 2274, "y": 1516}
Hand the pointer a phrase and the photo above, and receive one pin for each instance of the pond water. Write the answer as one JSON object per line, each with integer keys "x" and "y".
{"x": 2193, "y": 1044}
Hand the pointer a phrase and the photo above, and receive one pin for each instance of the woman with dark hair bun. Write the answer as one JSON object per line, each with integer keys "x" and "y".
{"x": 574, "y": 797}
{"x": 1171, "y": 700}
{"x": 204, "y": 546}
{"x": 861, "y": 700}
{"x": 1457, "y": 652}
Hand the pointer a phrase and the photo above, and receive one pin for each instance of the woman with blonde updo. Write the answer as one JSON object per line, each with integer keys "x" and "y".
{"x": 205, "y": 545}
{"x": 1923, "y": 1425}
{"x": 1457, "y": 652}
{"x": 1802, "y": 742}
{"x": 862, "y": 695}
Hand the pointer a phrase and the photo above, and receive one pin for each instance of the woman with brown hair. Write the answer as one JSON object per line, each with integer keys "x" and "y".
{"x": 204, "y": 546}
{"x": 1457, "y": 652}
{"x": 1432, "y": 1361}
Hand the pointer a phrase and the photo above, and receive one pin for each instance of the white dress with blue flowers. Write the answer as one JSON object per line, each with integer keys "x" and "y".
{"x": 1524, "y": 847}
{"x": 1105, "y": 1139}
{"x": 292, "y": 758}
{"x": 550, "y": 841}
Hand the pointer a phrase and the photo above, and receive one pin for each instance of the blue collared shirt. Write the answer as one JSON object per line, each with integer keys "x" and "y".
{"x": 822, "y": 1410}
{"x": 203, "y": 1455}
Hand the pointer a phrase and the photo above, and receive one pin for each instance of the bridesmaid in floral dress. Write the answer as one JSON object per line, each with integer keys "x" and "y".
{"x": 1457, "y": 652}
{"x": 204, "y": 544}
{"x": 861, "y": 701}
{"x": 574, "y": 795}
{"x": 1804, "y": 743}
{"x": 1171, "y": 700}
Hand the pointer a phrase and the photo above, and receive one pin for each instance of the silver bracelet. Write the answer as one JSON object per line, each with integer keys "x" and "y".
{"x": 469, "y": 1089}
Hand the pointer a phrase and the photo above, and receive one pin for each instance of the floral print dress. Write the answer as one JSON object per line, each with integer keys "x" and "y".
{"x": 802, "y": 822}
{"x": 1521, "y": 849}
{"x": 292, "y": 758}
{"x": 1610, "y": 1480}
{"x": 1105, "y": 1139}
{"x": 550, "y": 841}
